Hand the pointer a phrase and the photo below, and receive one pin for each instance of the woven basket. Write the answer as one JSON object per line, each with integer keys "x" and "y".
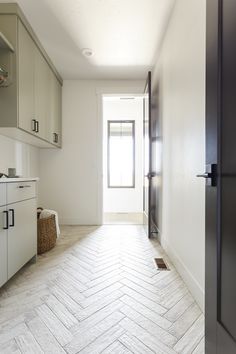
{"x": 47, "y": 233}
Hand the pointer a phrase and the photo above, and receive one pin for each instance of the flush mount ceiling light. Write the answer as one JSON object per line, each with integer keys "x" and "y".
{"x": 87, "y": 52}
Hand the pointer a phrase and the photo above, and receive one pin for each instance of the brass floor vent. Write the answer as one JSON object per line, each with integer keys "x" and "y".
{"x": 160, "y": 263}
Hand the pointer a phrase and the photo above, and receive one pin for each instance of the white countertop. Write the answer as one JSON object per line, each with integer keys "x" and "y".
{"x": 19, "y": 179}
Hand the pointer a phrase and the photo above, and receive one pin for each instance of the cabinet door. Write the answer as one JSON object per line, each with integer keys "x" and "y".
{"x": 58, "y": 111}
{"x": 42, "y": 93}
{"x": 3, "y": 246}
{"x": 22, "y": 235}
{"x": 26, "y": 67}
{"x": 54, "y": 122}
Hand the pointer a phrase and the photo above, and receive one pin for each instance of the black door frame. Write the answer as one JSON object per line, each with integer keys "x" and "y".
{"x": 147, "y": 90}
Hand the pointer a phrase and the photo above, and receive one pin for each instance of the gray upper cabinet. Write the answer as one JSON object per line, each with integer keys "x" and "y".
{"x": 26, "y": 69}
{"x": 42, "y": 94}
{"x": 54, "y": 121}
{"x": 31, "y": 103}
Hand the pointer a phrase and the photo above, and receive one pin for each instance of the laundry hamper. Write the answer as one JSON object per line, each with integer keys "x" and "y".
{"x": 47, "y": 232}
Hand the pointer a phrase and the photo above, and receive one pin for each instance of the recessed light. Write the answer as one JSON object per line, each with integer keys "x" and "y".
{"x": 87, "y": 52}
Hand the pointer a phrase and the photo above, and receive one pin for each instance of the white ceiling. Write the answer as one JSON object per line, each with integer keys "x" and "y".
{"x": 125, "y": 35}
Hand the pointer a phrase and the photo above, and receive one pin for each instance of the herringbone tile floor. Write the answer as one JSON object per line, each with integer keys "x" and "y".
{"x": 98, "y": 291}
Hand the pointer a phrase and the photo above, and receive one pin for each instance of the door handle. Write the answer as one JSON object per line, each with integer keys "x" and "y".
{"x": 12, "y": 217}
{"x": 150, "y": 175}
{"x": 210, "y": 174}
{"x": 7, "y": 220}
{"x": 205, "y": 175}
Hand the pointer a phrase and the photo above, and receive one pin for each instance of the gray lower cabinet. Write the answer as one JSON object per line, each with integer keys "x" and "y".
{"x": 18, "y": 227}
{"x": 3, "y": 246}
{"x": 22, "y": 227}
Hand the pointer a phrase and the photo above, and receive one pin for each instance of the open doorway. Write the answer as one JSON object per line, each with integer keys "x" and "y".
{"x": 122, "y": 159}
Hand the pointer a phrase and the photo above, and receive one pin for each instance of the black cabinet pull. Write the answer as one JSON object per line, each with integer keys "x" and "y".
{"x": 55, "y": 137}
{"x": 12, "y": 211}
{"x": 37, "y": 126}
{"x": 33, "y": 125}
{"x": 7, "y": 220}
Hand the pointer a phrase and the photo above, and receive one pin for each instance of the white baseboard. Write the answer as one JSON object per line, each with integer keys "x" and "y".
{"x": 123, "y": 218}
{"x": 75, "y": 221}
{"x": 192, "y": 284}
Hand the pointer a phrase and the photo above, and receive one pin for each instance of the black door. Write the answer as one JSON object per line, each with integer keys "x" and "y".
{"x": 156, "y": 161}
{"x": 152, "y": 159}
{"x": 147, "y": 156}
{"x": 221, "y": 164}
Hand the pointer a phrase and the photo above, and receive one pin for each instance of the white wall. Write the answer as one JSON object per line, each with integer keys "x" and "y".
{"x": 71, "y": 178}
{"x": 124, "y": 200}
{"x": 181, "y": 74}
{"x": 23, "y": 157}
